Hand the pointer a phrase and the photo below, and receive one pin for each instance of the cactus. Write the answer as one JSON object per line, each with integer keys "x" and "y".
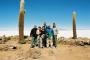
{"x": 21, "y": 21}
{"x": 74, "y": 26}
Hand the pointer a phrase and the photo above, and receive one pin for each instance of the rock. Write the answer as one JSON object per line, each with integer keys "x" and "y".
{"x": 89, "y": 43}
{"x": 13, "y": 47}
{"x": 25, "y": 37}
{"x": 81, "y": 43}
{"x": 4, "y": 47}
{"x": 0, "y": 39}
{"x": 85, "y": 43}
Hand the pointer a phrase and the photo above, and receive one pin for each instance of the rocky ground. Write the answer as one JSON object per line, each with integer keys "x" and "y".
{"x": 68, "y": 49}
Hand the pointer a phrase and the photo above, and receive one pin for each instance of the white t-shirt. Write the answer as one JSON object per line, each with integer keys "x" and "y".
{"x": 55, "y": 31}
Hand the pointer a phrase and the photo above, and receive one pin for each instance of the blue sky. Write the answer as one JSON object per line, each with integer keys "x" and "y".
{"x": 38, "y": 11}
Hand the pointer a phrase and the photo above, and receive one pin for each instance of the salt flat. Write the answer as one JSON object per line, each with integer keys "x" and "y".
{"x": 62, "y": 33}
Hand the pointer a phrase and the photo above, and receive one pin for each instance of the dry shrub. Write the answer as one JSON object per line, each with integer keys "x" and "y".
{"x": 14, "y": 37}
{"x": 34, "y": 53}
{"x": 63, "y": 42}
{"x": 22, "y": 42}
{"x": 51, "y": 52}
{"x": 3, "y": 47}
{"x": 8, "y": 38}
{"x": 60, "y": 40}
{"x": 78, "y": 42}
{"x": 70, "y": 41}
{"x": 28, "y": 40}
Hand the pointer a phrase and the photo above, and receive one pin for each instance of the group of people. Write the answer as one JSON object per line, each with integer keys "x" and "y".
{"x": 45, "y": 36}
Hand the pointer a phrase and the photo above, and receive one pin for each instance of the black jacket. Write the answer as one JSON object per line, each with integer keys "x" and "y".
{"x": 33, "y": 32}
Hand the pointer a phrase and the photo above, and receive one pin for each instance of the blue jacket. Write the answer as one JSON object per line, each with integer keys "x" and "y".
{"x": 49, "y": 31}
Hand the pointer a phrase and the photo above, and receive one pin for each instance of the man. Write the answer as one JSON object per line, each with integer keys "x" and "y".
{"x": 39, "y": 39}
{"x": 49, "y": 31}
{"x": 55, "y": 31}
{"x": 44, "y": 34}
{"x": 34, "y": 37}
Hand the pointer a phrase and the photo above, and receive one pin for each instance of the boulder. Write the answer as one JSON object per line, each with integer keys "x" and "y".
{"x": 81, "y": 43}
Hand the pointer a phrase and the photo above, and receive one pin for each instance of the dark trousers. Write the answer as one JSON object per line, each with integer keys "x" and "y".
{"x": 44, "y": 41}
{"x": 55, "y": 40}
{"x": 34, "y": 42}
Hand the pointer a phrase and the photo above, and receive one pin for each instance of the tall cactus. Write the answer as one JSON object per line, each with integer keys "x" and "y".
{"x": 74, "y": 26}
{"x": 21, "y": 21}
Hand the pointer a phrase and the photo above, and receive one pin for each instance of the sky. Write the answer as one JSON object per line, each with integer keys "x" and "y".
{"x": 39, "y": 11}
